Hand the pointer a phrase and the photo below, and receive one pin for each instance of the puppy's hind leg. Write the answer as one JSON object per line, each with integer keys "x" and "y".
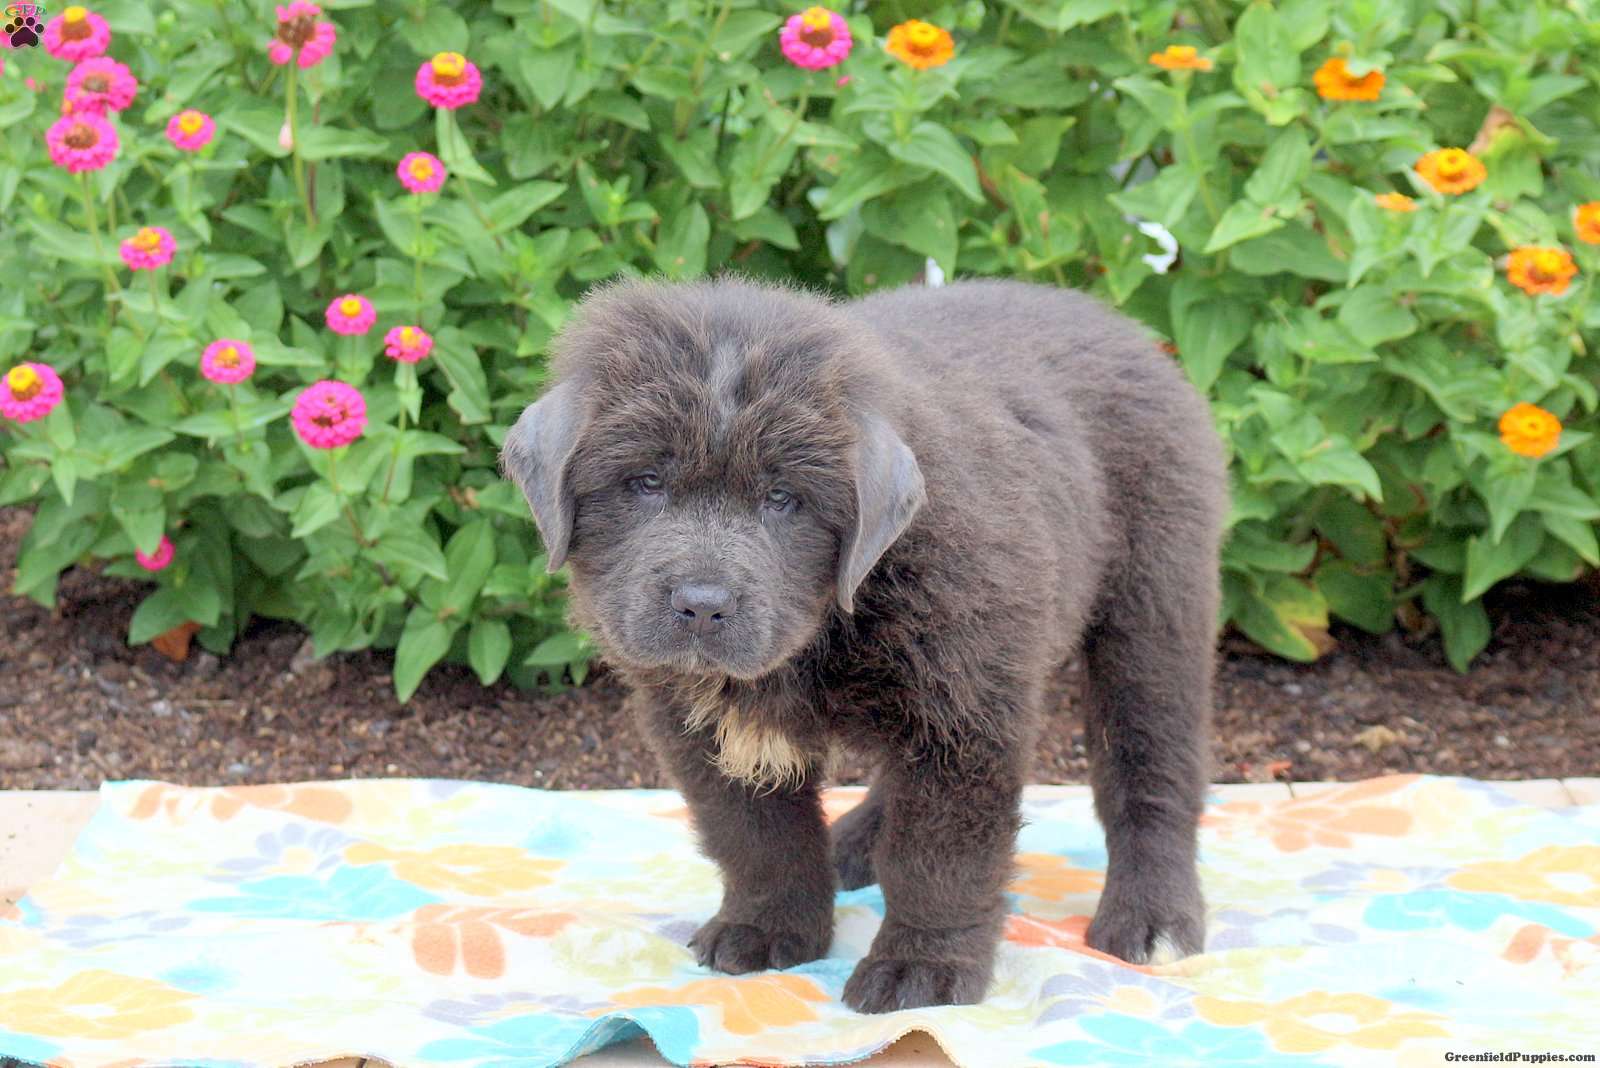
{"x": 1150, "y": 663}
{"x": 854, "y": 835}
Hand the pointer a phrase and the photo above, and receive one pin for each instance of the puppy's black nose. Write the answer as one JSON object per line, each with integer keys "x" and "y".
{"x": 702, "y": 607}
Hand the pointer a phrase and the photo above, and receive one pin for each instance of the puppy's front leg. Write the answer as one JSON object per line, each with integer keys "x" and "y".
{"x": 772, "y": 847}
{"x": 942, "y": 856}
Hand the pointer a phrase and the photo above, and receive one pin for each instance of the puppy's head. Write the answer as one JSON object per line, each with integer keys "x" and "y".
{"x": 712, "y": 468}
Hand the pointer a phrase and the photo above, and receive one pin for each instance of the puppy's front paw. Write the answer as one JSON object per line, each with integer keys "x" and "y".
{"x": 1147, "y": 928}
{"x": 883, "y": 984}
{"x": 737, "y": 948}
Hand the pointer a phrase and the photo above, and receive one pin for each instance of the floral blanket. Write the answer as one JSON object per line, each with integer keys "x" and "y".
{"x": 445, "y": 923}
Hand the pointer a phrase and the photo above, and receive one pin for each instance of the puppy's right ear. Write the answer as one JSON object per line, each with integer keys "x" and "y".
{"x": 535, "y": 457}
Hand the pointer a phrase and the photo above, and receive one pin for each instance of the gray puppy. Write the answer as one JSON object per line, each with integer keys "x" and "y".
{"x": 795, "y": 525}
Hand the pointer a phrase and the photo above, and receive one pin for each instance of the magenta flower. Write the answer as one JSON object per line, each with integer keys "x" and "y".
{"x": 329, "y": 414}
{"x": 83, "y": 104}
{"x": 449, "y": 80}
{"x": 102, "y": 82}
{"x": 81, "y": 142}
{"x": 228, "y": 361}
{"x": 301, "y": 35}
{"x": 191, "y": 130}
{"x": 815, "y": 39}
{"x": 158, "y": 560}
{"x": 421, "y": 172}
{"x": 77, "y": 34}
{"x": 30, "y": 391}
{"x": 351, "y": 314}
{"x": 407, "y": 344}
{"x": 148, "y": 249}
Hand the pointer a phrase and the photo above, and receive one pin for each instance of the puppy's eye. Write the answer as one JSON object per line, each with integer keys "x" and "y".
{"x": 779, "y": 500}
{"x": 647, "y": 483}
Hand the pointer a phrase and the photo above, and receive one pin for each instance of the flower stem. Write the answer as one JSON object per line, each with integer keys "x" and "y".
{"x": 291, "y": 85}
{"x": 155, "y": 300}
{"x": 94, "y": 232}
{"x": 783, "y": 138}
{"x": 465, "y": 185}
{"x": 344, "y": 503}
{"x": 416, "y": 257}
{"x": 233, "y": 408}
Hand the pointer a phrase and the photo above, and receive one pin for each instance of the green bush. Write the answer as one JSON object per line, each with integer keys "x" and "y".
{"x": 1358, "y": 358}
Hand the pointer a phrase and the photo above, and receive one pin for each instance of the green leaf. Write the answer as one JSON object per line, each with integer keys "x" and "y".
{"x": 1242, "y": 221}
{"x": 1206, "y": 332}
{"x": 326, "y": 142}
{"x": 454, "y": 151}
{"x": 1281, "y": 170}
{"x": 1489, "y": 561}
{"x": 1464, "y": 626}
{"x": 412, "y": 547}
{"x": 423, "y": 643}
{"x": 681, "y": 244}
{"x": 1335, "y": 462}
{"x": 469, "y": 558}
{"x": 558, "y": 650}
{"x": 157, "y": 614}
{"x": 488, "y": 648}
{"x": 937, "y": 149}
{"x": 1365, "y": 599}
{"x": 510, "y": 209}
{"x": 317, "y": 508}
{"x": 469, "y": 393}
{"x": 1373, "y": 316}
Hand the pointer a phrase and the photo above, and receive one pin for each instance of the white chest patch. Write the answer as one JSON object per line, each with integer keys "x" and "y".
{"x": 747, "y": 752}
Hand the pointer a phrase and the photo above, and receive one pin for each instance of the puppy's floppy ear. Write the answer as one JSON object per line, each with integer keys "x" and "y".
{"x": 889, "y": 492}
{"x": 535, "y": 457}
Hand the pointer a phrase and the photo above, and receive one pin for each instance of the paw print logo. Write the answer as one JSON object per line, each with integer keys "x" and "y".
{"x": 22, "y": 29}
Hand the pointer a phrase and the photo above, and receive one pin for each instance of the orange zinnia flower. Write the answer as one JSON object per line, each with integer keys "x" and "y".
{"x": 1395, "y": 202}
{"x": 1587, "y": 222}
{"x": 1534, "y": 270}
{"x": 1335, "y": 82}
{"x": 921, "y": 44}
{"x": 1528, "y": 430}
{"x": 1452, "y": 170}
{"x": 1180, "y": 57}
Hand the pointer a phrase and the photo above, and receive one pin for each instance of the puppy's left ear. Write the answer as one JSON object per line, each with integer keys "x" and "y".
{"x": 535, "y": 457}
{"x": 889, "y": 492}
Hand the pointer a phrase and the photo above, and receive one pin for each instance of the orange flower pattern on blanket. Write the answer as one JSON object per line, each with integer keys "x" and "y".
{"x": 96, "y": 1005}
{"x": 1318, "y": 1021}
{"x": 749, "y": 1004}
{"x": 480, "y": 870}
{"x": 449, "y": 937}
{"x": 1573, "y": 954}
{"x": 1047, "y": 876}
{"x": 1330, "y": 819}
{"x": 1561, "y": 875}
{"x": 324, "y": 804}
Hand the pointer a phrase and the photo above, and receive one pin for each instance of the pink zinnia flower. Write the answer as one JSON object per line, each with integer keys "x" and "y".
{"x": 815, "y": 39}
{"x": 148, "y": 249}
{"x": 158, "y": 560}
{"x": 300, "y": 34}
{"x": 449, "y": 80}
{"x": 191, "y": 130}
{"x": 30, "y": 391}
{"x": 77, "y": 34}
{"x": 421, "y": 172}
{"x": 329, "y": 414}
{"x": 351, "y": 314}
{"x": 228, "y": 361}
{"x": 83, "y": 104}
{"x": 102, "y": 81}
{"x": 408, "y": 344}
{"x": 81, "y": 142}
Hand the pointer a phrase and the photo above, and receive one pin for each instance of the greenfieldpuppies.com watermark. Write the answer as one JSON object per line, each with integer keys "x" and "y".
{"x": 1516, "y": 1057}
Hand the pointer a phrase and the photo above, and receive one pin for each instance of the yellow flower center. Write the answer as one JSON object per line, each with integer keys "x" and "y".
{"x": 1182, "y": 53}
{"x": 421, "y": 169}
{"x": 147, "y": 240}
{"x": 228, "y": 357}
{"x": 24, "y": 382}
{"x": 924, "y": 36}
{"x": 1453, "y": 163}
{"x": 75, "y": 13}
{"x": 1547, "y": 263}
{"x": 408, "y": 336}
{"x": 816, "y": 18}
{"x": 190, "y": 122}
{"x": 448, "y": 67}
{"x": 350, "y": 306}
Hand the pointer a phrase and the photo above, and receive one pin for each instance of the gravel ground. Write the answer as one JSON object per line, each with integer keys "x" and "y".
{"x": 79, "y": 706}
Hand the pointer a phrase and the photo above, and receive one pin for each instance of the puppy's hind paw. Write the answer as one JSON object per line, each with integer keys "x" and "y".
{"x": 737, "y": 948}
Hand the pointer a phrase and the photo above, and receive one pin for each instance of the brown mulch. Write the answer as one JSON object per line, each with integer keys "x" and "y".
{"x": 77, "y": 706}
